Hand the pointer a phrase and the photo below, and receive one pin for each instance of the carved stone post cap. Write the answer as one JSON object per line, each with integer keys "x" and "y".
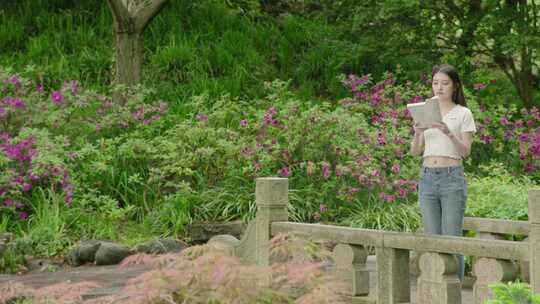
{"x": 272, "y": 191}
{"x": 437, "y": 264}
{"x": 346, "y": 254}
{"x": 494, "y": 270}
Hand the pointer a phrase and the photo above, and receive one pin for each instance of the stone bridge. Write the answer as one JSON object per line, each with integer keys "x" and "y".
{"x": 495, "y": 260}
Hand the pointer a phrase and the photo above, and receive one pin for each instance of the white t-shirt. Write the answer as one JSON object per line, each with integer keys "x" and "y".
{"x": 459, "y": 120}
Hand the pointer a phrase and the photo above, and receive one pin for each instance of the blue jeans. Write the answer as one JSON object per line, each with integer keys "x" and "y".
{"x": 442, "y": 193}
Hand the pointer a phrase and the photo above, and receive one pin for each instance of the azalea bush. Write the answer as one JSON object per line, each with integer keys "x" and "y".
{"x": 46, "y": 133}
{"x": 507, "y": 134}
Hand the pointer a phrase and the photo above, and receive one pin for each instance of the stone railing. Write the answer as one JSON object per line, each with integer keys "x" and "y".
{"x": 437, "y": 282}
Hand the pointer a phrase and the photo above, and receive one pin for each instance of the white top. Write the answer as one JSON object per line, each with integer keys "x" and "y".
{"x": 459, "y": 120}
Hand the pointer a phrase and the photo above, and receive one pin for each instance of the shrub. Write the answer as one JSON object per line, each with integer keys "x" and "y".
{"x": 513, "y": 293}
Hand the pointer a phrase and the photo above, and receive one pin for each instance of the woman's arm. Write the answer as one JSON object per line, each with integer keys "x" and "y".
{"x": 463, "y": 142}
{"x": 417, "y": 145}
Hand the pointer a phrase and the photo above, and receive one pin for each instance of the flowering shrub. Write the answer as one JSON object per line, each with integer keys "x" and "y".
{"x": 42, "y": 134}
{"x": 508, "y": 134}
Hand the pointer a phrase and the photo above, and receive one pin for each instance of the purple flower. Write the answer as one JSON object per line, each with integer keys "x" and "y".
{"x": 9, "y": 202}
{"x": 284, "y": 172}
{"x": 244, "y": 122}
{"x": 26, "y": 187}
{"x": 524, "y": 137}
{"x": 323, "y": 208}
{"x": 504, "y": 121}
{"x": 256, "y": 166}
{"x": 396, "y": 168}
{"x": 15, "y": 81}
{"x": 202, "y": 117}
{"x": 57, "y": 97}
{"x": 247, "y": 151}
{"x": 23, "y": 215}
{"x": 3, "y": 112}
{"x": 74, "y": 87}
{"x": 326, "y": 170}
{"x": 381, "y": 139}
{"x": 375, "y": 100}
{"x": 402, "y": 193}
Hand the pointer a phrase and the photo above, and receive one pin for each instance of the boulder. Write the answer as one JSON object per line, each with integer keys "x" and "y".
{"x": 83, "y": 253}
{"x": 110, "y": 253}
{"x": 161, "y": 246}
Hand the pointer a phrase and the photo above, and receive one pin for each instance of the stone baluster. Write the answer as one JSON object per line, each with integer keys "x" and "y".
{"x": 534, "y": 239}
{"x": 438, "y": 282}
{"x": 272, "y": 198}
{"x": 350, "y": 268}
{"x": 393, "y": 285}
{"x": 489, "y": 271}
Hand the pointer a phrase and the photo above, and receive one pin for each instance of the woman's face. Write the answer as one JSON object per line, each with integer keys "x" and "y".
{"x": 442, "y": 86}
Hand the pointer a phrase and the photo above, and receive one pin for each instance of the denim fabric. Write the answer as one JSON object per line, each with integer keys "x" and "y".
{"x": 442, "y": 193}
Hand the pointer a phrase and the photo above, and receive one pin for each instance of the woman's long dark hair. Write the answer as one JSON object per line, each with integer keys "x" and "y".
{"x": 458, "y": 97}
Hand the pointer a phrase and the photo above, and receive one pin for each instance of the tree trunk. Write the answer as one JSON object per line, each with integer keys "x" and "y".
{"x": 130, "y": 19}
{"x": 129, "y": 58}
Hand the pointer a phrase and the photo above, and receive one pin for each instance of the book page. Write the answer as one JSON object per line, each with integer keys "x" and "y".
{"x": 426, "y": 113}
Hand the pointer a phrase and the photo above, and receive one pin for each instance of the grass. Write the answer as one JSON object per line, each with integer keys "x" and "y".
{"x": 190, "y": 49}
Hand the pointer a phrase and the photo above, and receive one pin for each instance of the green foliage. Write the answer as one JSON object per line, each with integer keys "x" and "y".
{"x": 513, "y": 293}
{"x": 498, "y": 194}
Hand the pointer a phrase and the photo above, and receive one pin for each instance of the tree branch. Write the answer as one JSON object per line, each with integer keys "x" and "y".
{"x": 147, "y": 12}
{"x": 119, "y": 11}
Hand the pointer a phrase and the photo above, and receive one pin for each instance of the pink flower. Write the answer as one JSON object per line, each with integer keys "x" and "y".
{"x": 57, "y": 98}
{"x": 9, "y": 202}
{"x": 244, "y": 122}
{"x": 396, "y": 168}
{"x": 326, "y": 170}
{"x": 284, "y": 172}
{"x": 15, "y": 81}
{"x": 202, "y": 117}
{"x": 26, "y": 187}
{"x": 23, "y": 215}
{"x": 256, "y": 166}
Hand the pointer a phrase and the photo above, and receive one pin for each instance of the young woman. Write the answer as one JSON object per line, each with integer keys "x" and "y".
{"x": 442, "y": 190}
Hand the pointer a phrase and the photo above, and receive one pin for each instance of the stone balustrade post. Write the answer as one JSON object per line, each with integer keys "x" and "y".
{"x": 438, "y": 282}
{"x": 272, "y": 198}
{"x": 534, "y": 239}
{"x": 489, "y": 271}
{"x": 393, "y": 284}
{"x": 350, "y": 268}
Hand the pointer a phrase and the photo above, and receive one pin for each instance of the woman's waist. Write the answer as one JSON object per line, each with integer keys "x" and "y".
{"x": 441, "y": 162}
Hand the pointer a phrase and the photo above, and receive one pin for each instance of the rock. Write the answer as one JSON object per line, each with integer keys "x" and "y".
{"x": 3, "y": 248}
{"x": 224, "y": 243}
{"x": 6, "y": 237}
{"x": 110, "y": 253}
{"x": 161, "y": 246}
{"x": 83, "y": 253}
{"x": 202, "y": 232}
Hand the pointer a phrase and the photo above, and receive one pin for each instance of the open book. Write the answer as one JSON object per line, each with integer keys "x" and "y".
{"x": 426, "y": 113}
